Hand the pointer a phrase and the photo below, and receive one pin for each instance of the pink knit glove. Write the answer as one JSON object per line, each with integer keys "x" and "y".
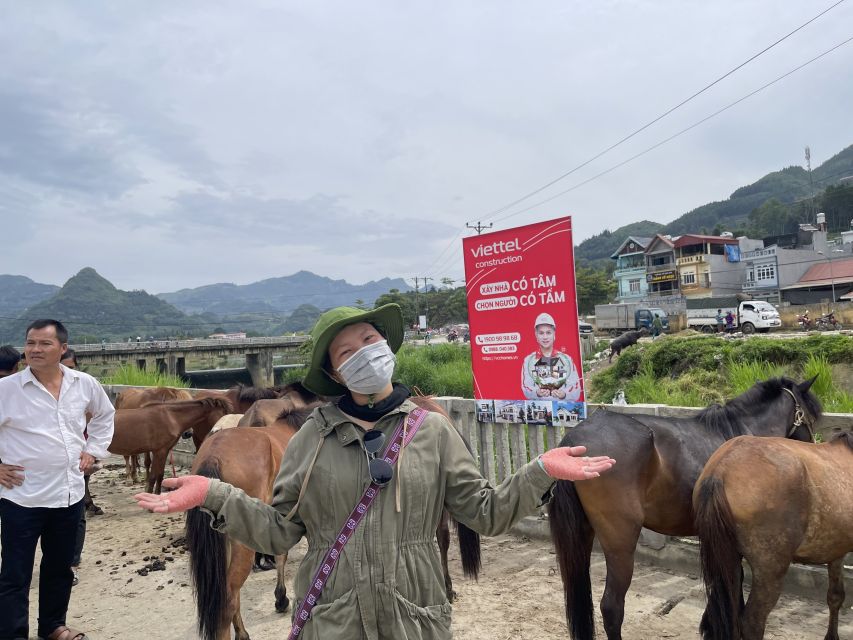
{"x": 564, "y": 463}
{"x": 189, "y": 492}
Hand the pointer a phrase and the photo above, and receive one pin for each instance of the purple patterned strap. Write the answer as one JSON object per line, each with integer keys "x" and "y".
{"x": 392, "y": 451}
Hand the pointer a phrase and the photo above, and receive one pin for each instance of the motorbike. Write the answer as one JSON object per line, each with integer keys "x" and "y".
{"x": 452, "y": 336}
{"x": 828, "y": 322}
{"x": 804, "y": 322}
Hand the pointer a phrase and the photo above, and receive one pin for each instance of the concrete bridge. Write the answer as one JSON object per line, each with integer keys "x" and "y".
{"x": 170, "y": 356}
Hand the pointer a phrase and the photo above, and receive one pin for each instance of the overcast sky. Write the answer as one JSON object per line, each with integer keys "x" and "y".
{"x": 176, "y": 144}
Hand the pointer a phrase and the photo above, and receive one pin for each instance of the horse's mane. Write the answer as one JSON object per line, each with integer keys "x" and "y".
{"x": 250, "y": 394}
{"x": 295, "y": 417}
{"x": 214, "y": 403}
{"x": 845, "y": 437}
{"x": 728, "y": 420}
{"x": 299, "y": 389}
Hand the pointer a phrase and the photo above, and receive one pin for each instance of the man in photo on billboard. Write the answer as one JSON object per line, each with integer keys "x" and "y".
{"x": 548, "y": 373}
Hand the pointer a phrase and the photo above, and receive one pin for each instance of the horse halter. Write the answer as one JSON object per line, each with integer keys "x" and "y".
{"x": 799, "y": 417}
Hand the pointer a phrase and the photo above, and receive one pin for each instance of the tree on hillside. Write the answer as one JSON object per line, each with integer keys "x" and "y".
{"x": 594, "y": 286}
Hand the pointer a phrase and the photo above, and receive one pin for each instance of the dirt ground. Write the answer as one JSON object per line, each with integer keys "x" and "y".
{"x": 518, "y": 595}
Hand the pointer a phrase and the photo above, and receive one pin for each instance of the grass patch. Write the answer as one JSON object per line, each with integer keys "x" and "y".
{"x": 136, "y": 377}
{"x": 441, "y": 369}
{"x": 697, "y": 370}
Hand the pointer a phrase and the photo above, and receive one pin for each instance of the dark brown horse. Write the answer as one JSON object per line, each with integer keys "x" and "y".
{"x": 249, "y": 457}
{"x": 156, "y": 428}
{"x": 659, "y": 460}
{"x": 136, "y": 398}
{"x": 773, "y": 502}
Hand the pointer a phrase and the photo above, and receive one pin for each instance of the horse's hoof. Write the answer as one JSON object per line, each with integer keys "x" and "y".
{"x": 282, "y": 604}
{"x": 453, "y": 597}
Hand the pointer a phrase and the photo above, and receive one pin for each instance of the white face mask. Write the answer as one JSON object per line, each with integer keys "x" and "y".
{"x": 369, "y": 369}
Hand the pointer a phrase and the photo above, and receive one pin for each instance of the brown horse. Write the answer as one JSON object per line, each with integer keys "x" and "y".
{"x": 156, "y": 428}
{"x": 136, "y": 399}
{"x": 249, "y": 457}
{"x": 773, "y": 502}
{"x": 660, "y": 460}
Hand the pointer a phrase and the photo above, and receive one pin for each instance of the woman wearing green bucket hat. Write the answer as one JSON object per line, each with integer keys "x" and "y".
{"x": 387, "y": 582}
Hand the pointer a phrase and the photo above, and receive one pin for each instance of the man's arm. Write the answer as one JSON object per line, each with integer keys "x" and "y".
{"x": 100, "y": 427}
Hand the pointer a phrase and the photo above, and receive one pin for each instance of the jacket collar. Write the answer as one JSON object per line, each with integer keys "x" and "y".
{"x": 333, "y": 419}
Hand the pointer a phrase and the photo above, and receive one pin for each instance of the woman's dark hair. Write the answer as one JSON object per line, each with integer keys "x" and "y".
{"x": 9, "y": 357}
{"x": 61, "y": 331}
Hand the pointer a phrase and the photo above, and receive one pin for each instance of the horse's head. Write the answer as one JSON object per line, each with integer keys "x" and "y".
{"x": 805, "y": 411}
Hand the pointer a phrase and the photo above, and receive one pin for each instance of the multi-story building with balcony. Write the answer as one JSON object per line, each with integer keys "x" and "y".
{"x": 709, "y": 266}
{"x": 769, "y": 270}
{"x": 630, "y": 272}
{"x": 661, "y": 271}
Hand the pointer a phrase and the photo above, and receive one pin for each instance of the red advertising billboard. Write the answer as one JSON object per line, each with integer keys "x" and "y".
{"x": 522, "y": 314}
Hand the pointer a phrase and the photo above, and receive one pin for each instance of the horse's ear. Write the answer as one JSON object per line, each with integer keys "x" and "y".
{"x": 805, "y": 386}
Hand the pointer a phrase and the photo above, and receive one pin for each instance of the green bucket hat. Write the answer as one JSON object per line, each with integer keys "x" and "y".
{"x": 388, "y": 319}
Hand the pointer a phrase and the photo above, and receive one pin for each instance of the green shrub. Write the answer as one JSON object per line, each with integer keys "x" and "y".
{"x": 442, "y": 369}
{"x": 134, "y": 376}
{"x": 741, "y": 375}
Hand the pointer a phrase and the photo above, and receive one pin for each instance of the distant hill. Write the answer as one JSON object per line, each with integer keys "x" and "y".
{"x": 303, "y": 318}
{"x": 786, "y": 186}
{"x": 89, "y": 305}
{"x": 19, "y": 292}
{"x": 282, "y": 294}
{"x": 596, "y": 251}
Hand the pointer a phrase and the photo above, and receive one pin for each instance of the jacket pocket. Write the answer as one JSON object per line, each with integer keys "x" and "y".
{"x": 405, "y": 619}
{"x": 336, "y": 620}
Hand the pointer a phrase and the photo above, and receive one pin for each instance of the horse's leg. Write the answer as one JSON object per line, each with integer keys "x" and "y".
{"x": 618, "y": 540}
{"x": 281, "y": 600}
{"x": 239, "y": 568}
{"x": 147, "y": 464}
{"x": 834, "y": 596}
{"x": 766, "y": 588}
{"x": 128, "y": 470}
{"x": 442, "y": 534}
{"x": 158, "y": 466}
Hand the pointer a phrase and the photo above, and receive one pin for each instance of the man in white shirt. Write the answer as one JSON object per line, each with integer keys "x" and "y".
{"x": 44, "y": 455}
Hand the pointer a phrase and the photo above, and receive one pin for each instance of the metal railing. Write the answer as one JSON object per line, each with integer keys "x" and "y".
{"x": 164, "y": 345}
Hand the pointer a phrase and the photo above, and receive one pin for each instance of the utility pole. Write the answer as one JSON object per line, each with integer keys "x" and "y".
{"x": 417, "y": 306}
{"x": 478, "y": 227}
{"x": 811, "y": 185}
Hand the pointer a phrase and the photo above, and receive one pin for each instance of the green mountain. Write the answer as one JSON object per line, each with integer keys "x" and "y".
{"x": 19, "y": 292}
{"x": 92, "y": 308}
{"x": 596, "y": 251}
{"x": 281, "y": 295}
{"x": 302, "y": 318}
{"x": 743, "y": 210}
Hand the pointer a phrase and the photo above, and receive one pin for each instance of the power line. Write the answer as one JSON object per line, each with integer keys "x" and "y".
{"x": 658, "y": 118}
{"x": 672, "y": 137}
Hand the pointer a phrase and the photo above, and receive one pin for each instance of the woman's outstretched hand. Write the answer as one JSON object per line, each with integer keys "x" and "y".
{"x": 569, "y": 463}
{"x": 189, "y": 492}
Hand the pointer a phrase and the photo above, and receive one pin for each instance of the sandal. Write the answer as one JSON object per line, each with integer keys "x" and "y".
{"x": 66, "y": 633}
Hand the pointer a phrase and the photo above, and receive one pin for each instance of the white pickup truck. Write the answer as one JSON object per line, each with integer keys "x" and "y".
{"x": 750, "y": 316}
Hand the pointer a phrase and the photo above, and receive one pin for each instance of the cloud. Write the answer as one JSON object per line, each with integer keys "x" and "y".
{"x": 180, "y": 144}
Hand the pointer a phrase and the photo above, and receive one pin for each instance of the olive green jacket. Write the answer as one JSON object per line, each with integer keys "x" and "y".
{"x": 388, "y": 583}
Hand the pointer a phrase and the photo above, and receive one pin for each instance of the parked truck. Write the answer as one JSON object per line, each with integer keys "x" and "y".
{"x": 615, "y": 319}
{"x": 750, "y": 315}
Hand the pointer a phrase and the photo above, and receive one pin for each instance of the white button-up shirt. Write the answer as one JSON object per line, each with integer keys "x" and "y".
{"x": 45, "y": 435}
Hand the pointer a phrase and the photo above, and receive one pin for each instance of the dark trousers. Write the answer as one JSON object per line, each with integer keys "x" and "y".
{"x": 20, "y": 532}
{"x": 80, "y": 539}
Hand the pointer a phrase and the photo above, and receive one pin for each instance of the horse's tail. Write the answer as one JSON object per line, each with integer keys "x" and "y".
{"x": 572, "y": 536}
{"x": 207, "y": 563}
{"x": 469, "y": 550}
{"x": 721, "y": 562}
